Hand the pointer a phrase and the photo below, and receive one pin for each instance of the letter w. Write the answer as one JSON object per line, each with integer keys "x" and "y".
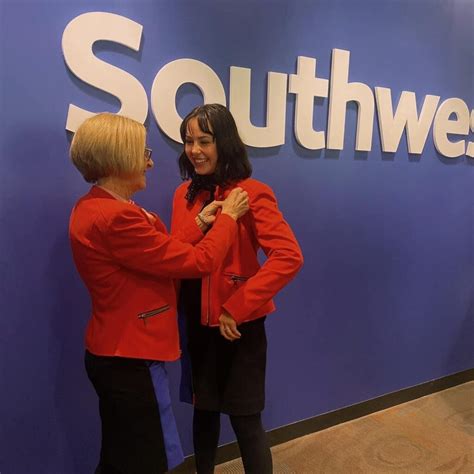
{"x": 406, "y": 116}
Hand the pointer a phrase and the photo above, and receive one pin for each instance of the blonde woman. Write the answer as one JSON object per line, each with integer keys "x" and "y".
{"x": 128, "y": 261}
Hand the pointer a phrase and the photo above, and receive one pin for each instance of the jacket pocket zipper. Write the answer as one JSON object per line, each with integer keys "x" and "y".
{"x": 153, "y": 312}
{"x": 236, "y": 278}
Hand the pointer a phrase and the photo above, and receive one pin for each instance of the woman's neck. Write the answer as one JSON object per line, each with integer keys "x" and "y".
{"x": 117, "y": 186}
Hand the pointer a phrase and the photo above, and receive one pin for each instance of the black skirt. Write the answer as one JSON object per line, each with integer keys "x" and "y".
{"x": 228, "y": 377}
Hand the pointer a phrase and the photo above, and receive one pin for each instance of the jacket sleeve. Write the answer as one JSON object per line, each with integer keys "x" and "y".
{"x": 137, "y": 245}
{"x": 284, "y": 257}
{"x": 190, "y": 231}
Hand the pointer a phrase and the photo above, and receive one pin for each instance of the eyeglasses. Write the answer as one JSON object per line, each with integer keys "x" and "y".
{"x": 148, "y": 152}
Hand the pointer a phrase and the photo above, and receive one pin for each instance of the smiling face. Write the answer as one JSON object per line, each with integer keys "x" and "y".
{"x": 200, "y": 148}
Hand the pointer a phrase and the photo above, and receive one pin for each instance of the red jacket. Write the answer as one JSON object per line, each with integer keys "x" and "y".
{"x": 240, "y": 285}
{"x": 128, "y": 264}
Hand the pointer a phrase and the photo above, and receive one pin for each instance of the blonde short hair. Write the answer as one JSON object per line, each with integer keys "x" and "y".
{"x": 108, "y": 145}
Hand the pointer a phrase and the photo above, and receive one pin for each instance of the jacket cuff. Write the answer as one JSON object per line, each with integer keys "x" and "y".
{"x": 235, "y": 310}
{"x": 195, "y": 233}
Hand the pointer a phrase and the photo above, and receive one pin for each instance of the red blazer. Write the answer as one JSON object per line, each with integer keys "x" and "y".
{"x": 240, "y": 285}
{"x": 128, "y": 264}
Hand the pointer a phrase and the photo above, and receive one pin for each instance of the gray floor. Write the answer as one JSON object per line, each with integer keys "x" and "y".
{"x": 433, "y": 434}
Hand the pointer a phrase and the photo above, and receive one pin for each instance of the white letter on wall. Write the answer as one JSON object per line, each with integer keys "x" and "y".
{"x": 166, "y": 84}
{"x": 307, "y": 86}
{"x": 239, "y": 103}
{"x": 470, "y": 145}
{"x": 78, "y": 37}
{"x": 443, "y": 125}
{"x": 406, "y": 115}
{"x": 341, "y": 92}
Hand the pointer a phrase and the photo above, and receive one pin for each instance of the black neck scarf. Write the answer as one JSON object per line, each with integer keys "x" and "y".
{"x": 201, "y": 183}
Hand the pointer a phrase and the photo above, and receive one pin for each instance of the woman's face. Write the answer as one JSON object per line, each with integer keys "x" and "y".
{"x": 138, "y": 179}
{"x": 200, "y": 148}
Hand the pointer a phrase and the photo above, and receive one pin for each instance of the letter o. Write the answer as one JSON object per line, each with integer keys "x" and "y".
{"x": 166, "y": 84}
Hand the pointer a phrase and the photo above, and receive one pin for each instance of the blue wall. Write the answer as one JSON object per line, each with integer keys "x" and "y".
{"x": 385, "y": 300}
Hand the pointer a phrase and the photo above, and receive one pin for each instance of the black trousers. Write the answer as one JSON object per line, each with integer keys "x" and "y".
{"x": 132, "y": 432}
{"x": 253, "y": 444}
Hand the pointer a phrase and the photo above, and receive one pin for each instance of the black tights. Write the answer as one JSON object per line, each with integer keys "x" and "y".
{"x": 251, "y": 437}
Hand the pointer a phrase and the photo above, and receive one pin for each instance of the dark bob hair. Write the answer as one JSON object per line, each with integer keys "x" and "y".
{"x": 232, "y": 160}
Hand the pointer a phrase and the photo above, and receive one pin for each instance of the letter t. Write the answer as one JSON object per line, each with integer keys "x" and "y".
{"x": 307, "y": 86}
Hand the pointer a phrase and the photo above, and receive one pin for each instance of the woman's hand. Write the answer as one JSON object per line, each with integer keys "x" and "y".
{"x": 208, "y": 215}
{"x": 228, "y": 327}
{"x": 236, "y": 204}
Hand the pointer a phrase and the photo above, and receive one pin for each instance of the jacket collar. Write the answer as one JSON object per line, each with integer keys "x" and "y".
{"x": 97, "y": 192}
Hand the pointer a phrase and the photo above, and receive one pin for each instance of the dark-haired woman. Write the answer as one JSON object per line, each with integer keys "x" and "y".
{"x": 225, "y": 311}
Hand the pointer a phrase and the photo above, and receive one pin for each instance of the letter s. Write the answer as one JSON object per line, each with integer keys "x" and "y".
{"x": 78, "y": 38}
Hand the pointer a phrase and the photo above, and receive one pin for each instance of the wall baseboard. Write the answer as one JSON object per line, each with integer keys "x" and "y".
{"x": 295, "y": 430}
